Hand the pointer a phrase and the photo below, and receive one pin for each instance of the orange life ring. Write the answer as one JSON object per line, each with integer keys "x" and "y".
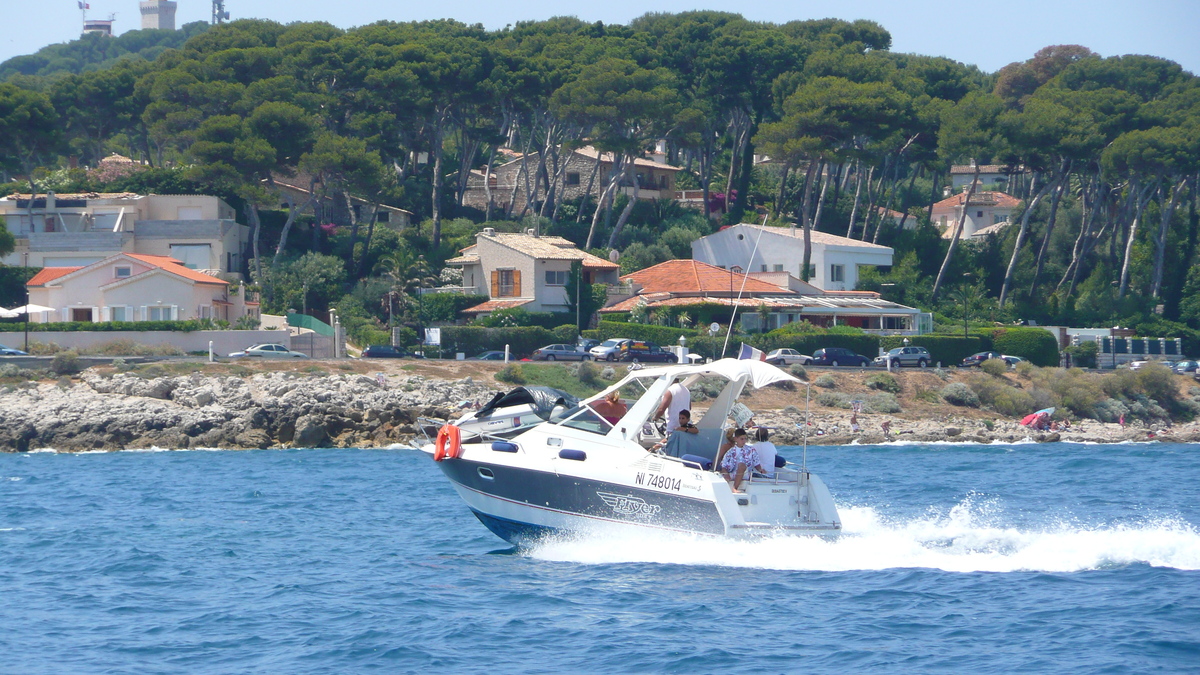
{"x": 449, "y": 443}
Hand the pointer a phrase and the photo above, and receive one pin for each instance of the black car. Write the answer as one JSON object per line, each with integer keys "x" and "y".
{"x": 975, "y": 359}
{"x": 645, "y": 352}
{"x": 586, "y": 343}
{"x": 1184, "y": 367}
{"x": 838, "y": 356}
{"x": 384, "y": 352}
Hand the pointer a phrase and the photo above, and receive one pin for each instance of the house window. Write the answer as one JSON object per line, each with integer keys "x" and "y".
{"x": 193, "y": 256}
{"x": 556, "y": 278}
{"x": 979, "y": 214}
{"x": 764, "y": 268}
{"x": 122, "y": 272}
{"x": 118, "y": 313}
{"x": 812, "y": 271}
{"x": 158, "y": 313}
{"x": 777, "y": 268}
{"x": 382, "y": 217}
{"x": 506, "y": 283}
{"x": 81, "y": 314}
{"x": 837, "y": 273}
{"x": 572, "y": 178}
{"x": 736, "y": 269}
{"x": 997, "y": 219}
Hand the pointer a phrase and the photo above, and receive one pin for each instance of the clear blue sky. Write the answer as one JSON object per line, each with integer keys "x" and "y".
{"x": 987, "y": 34}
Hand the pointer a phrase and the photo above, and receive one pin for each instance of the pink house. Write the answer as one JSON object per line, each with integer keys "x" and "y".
{"x": 135, "y": 287}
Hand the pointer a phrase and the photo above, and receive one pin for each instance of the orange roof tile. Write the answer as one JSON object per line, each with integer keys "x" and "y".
{"x": 49, "y": 274}
{"x": 998, "y": 199}
{"x": 493, "y": 305}
{"x": 693, "y": 276}
{"x": 176, "y": 267}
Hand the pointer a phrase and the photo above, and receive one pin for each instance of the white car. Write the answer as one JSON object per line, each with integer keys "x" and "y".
{"x": 787, "y": 357}
{"x": 269, "y": 351}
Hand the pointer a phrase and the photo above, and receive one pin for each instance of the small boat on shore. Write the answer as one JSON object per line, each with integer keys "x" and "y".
{"x": 578, "y": 471}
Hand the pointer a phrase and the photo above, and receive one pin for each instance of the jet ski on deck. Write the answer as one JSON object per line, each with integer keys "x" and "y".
{"x": 578, "y": 471}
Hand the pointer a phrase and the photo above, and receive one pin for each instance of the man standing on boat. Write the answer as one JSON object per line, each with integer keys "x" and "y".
{"x": 677, "y": 399}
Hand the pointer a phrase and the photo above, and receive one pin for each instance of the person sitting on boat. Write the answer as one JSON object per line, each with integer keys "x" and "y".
{"x": 725, "y": 446}
{"x": 766, "y": 451}
{"x": 677, "y": 398}
{"x": 685, "y": 423}
{"x": 739, "y": 461}
{"x": 610, "y": 407}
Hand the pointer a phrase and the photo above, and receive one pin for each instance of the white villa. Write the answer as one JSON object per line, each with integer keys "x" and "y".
{"x": 748, "y": 248}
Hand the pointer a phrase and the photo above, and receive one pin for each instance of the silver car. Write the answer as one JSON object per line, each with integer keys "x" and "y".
{"x": 905, "y": 356}
{"x": 559, "y": 353}
{"x": 609, "y": 350}
{"x": 269, "y": 351}
{"x": 787, "y": 357}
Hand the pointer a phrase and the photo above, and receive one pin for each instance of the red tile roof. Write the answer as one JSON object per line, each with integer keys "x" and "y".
{"x": 997, "y": 199}
{"x": 493, "y": 305}
{"x": 176, "y": 267}
{"x": 49, "y": 274}
{"x": 693, "y": 276}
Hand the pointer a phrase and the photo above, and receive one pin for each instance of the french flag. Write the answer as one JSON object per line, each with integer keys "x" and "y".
{"x": 751, "y": 354}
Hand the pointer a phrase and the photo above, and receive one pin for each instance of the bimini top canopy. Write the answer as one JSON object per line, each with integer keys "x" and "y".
{"x": 756, "y": 373}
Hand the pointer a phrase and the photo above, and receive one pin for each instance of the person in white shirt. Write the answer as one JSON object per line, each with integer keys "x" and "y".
{"x": 766, "y": 451}
{"x": 677, "y": 399}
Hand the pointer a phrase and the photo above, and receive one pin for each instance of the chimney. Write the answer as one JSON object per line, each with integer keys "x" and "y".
{"x": 489, "y": 232}
{"x": 946, "y": 191}
{"x": 531, "y": 232}
{"x": 660, "y": 151}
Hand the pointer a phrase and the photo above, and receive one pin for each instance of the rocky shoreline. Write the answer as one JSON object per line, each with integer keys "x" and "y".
{"x": 117, "y": 411}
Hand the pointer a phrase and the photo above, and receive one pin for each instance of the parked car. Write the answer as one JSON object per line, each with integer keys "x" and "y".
{"x": 1138, "y": 365}
{"x": 608, "y": 350}
{"x": 787, "y": 357}
{"x": 269, "y": 351}
{"x": 488, "y": 356}
{"x": 1012, "y": 361}
{"x": 905, "y": 356}
{"x": 838, "y": 356}
{"x": 586, "y": 343}
{"x": 638, "y": 351}
{"x": 383, "y": 352}
{"x": 974, "y": 360}
{"x": 559, "y": 353}
{"x": 1184, "y": 367}
{"x": 9, "y": 351}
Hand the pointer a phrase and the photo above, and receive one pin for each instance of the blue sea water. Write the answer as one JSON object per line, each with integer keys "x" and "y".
{"x": 955, "y": 558}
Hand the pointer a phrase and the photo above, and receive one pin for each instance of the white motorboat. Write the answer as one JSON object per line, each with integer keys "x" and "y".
{"x": 577, "y": 471}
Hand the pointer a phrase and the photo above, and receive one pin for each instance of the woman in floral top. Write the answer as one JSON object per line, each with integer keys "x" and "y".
{"x": 738, "y": 460}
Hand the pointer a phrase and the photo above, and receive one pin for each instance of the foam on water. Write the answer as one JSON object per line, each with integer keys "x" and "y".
{"x": 964, "y": 540}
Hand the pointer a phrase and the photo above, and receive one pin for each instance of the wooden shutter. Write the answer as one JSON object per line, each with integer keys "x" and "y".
{"x": 495, "y": 283}
{"x": 516, "y": 283}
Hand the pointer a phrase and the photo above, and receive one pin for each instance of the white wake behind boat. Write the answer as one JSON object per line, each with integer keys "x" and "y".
{"x": 577, "y": 471}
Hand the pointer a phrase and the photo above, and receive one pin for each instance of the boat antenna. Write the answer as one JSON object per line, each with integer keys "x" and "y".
{"x": 749, "y": 262}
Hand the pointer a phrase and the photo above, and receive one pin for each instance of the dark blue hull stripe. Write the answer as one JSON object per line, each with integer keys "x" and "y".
{"x": 512, "y": 531}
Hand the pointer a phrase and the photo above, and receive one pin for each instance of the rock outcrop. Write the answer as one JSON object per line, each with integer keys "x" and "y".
{"x": 282, "y": 409}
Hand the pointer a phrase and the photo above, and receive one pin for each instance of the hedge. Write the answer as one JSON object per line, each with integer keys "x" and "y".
{"x": 807, "y": 343}
{"x": 448, "y": 306}
{"x": 110, "y": 326}
{"x": 660, "y": 335}
{"x": 521, "y": 340}
{"x": 948, "y": 349}
{"x": 1035, "y": 344}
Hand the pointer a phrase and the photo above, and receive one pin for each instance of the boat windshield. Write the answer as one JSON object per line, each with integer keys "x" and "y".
{"x": 582, "y": 417}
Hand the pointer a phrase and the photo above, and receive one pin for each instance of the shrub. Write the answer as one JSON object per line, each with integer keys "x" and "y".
{"x": 512, "y": 374}
{"x": 957, "y": 393}
{"x": 447, "y": 306}
{"x": 883, "y": 402}
{"x": 928, "y": 395}
{"x": 1036, "y": 344}
{"x": 883, "y": 382}
{"x": 994, "y": 367}
{"x": 999, "y": 396}
{"x": 588, "y": 373}
{"x": 1083, "y": 355}
{"x": 833, "y": 399}
{"x": 799, "y": 371}
{"x": 1110, "y": 410}
{"x": 471, "y": 340}
{"x": 1026, "y": 369}
{"x": 825, "y": 381}
{"x": 941, "y": 374}
{"x": 65, "y": 363}
{"x": 660, "y": 335}
{"x": 609, "y": 373}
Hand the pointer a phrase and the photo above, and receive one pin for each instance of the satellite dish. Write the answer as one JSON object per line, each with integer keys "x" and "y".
{"x": 614, "y": 255}
{"x": 714, "y": 328}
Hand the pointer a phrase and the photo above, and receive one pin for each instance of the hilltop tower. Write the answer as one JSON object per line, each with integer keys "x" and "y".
{"x": 158, "y": 14}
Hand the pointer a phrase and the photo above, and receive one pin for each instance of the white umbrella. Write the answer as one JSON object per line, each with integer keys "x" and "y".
{"x": 8, "y": 313}
{"x": 31, "y": 309}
